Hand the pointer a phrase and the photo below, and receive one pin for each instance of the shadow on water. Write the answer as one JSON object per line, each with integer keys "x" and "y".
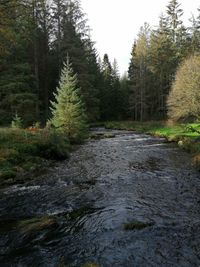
{"x": 121, "y": 200}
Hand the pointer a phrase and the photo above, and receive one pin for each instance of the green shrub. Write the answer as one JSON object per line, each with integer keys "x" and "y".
{"x": 23, "y": 150}
{"x": 53, "y": 145}
{"x": 16, "y": 122}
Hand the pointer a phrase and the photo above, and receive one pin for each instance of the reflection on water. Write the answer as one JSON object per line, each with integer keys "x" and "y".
{"x": 129, "y": 200}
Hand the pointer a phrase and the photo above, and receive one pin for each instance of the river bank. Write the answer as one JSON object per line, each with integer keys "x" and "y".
{"x": 27, "y": 153}
{"x": 187, "y": 136}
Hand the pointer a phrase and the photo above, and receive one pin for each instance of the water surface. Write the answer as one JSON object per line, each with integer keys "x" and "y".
{"x": 77, "y": 212}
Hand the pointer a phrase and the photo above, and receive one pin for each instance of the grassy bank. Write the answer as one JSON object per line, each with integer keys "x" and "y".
{"x": 187, "y": 136}
{"x": 25, "y": 151}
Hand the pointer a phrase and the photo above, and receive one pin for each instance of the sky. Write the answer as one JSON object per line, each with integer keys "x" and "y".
{"x": 116, "y": 23}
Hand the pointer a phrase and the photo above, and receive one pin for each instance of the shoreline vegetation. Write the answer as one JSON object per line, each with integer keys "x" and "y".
{"x": 26, "y": 153}
{"x": 186, "y": 135}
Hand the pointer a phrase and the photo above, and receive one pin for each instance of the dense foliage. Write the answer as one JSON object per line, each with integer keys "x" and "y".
{"x": 184, "y": 98}
{"x": 36, "y": 37}
{"x": 155, "y": 56}
{"x": 23, "y": 150}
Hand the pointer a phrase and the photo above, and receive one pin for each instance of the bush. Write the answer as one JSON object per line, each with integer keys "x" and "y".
{"x": 16, "y": 122}
{"x": 53, "y": 145}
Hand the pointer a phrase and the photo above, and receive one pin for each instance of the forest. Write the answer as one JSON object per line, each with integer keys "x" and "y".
{"x": 36, "y": 37}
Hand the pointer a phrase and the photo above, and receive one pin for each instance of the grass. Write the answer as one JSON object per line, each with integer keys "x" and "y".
{"x": 187, "y": 136}
{"x": 22, "y": 150}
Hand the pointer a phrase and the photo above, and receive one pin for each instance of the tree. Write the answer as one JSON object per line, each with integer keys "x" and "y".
{"x": 184, "y": 98}
{"x": 17, "y": 83}
{"x": 139, "y": 74}
{"x": 72, "y": 38}
{"x": 124, "y": 97}
{"x": 106, "y": 93}
{"x": 68, "y": 113}
{"x": 195, "y": 34}
{"x": 162, "y": 64}
{"x": 174, "y": 12}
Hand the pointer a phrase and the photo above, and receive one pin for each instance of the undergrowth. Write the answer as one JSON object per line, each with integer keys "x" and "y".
{"x": 23, "y": 150}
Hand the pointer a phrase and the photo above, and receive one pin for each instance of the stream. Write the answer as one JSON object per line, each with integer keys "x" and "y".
{"x": 128, "y": 201}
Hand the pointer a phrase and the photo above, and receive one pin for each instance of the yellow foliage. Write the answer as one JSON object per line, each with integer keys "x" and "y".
{"x": 184, "y": 98}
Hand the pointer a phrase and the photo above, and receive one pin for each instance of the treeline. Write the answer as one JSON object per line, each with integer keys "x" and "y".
{"x": 36, "y": 37}
{"x": 155, "y": 56}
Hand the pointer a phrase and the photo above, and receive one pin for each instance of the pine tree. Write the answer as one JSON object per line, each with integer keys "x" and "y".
{"x": 68, "y": 113}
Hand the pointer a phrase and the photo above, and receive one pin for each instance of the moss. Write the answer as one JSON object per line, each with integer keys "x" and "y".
{"x": 136, "y": 225}
{"x": 89, "y": 265}
{"x": 109, "y": 135}
{"x": 98, "y": 136}
{"x": 36, "y": 224}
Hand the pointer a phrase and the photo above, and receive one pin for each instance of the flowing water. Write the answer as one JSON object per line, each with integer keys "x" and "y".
{"x": 131, "y": 200}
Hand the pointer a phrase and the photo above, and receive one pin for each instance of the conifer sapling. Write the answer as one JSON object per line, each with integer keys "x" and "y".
{"x": 68, "y": 109}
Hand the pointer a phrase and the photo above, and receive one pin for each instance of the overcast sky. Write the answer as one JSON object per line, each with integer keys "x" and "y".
{"x": 115, "y": 23}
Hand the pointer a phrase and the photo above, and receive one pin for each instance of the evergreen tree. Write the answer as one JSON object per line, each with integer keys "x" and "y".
{"x": 116, "y": 95}
{"x": 17, "y": 84}
{"x": 72, "y": 38}
{"x": 133, "y": 75}
{"x": 162, "y": 64}
{"x": 68, "y": 113}
{"x": 106, "y": 93}
{"x": 174, "y": 12}
{"x": 139, "y": 74}
{"x": 194, "y": 47}
{"x": 124, "y": 97}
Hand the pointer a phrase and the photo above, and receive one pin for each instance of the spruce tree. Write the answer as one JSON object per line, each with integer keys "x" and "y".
{"x": 174, "y": 12}
{"x": 68, "y": 109}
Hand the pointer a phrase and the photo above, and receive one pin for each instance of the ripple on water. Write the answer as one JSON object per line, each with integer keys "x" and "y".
{"x": 130, "y": 179}
{"x": 19, "y": 188}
